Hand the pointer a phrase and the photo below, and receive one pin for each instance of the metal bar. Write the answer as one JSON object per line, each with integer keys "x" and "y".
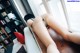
{"x": 46, "y": 6}
{"x": 65, "y": 13}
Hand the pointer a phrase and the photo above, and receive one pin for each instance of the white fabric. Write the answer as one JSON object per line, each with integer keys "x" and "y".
{"x": 32, "y": 46}
{"x": 17, "y": 45}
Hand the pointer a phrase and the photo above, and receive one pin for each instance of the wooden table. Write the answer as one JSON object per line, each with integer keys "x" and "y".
{"x": 63, "y": 46}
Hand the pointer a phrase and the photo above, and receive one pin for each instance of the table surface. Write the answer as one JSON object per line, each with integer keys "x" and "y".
{"x": 63, "y": 46}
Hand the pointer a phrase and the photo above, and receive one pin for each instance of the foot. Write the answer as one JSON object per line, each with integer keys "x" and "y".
{"x": 29, "y": 22}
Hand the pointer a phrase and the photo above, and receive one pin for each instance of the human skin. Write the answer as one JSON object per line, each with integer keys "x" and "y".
{"x": 73, "y": 37}
{"x": 40, "y": 29}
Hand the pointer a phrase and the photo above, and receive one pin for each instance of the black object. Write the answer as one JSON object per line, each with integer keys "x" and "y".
{"x": 29, "y": 16}
{"x": 9, "y": 48}
{"x": 26, "y": 6}
{"x": 21, "y": 50}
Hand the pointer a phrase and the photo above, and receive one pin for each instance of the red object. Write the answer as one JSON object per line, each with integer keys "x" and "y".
{"x": 20, "y": 37}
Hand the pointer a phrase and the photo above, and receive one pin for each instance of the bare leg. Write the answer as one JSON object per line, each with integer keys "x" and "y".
{"x": 62, "y": 31}
{"x": 42, "y": 32}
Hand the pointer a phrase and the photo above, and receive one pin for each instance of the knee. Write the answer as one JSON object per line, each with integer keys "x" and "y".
{"x": 45, "y": 16}
{"x": 37, "y": 20}
{"x": 29, "y": 22}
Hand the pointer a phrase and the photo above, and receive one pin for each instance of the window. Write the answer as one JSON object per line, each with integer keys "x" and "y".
{"x": 72, "y": 6}
{"x": 40, "y": 7}
{"x": 65, "y": 13}
{"x": 37, "y": 7}
{"x": 73, "y": 11}
{"x": 56, "y": 9}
